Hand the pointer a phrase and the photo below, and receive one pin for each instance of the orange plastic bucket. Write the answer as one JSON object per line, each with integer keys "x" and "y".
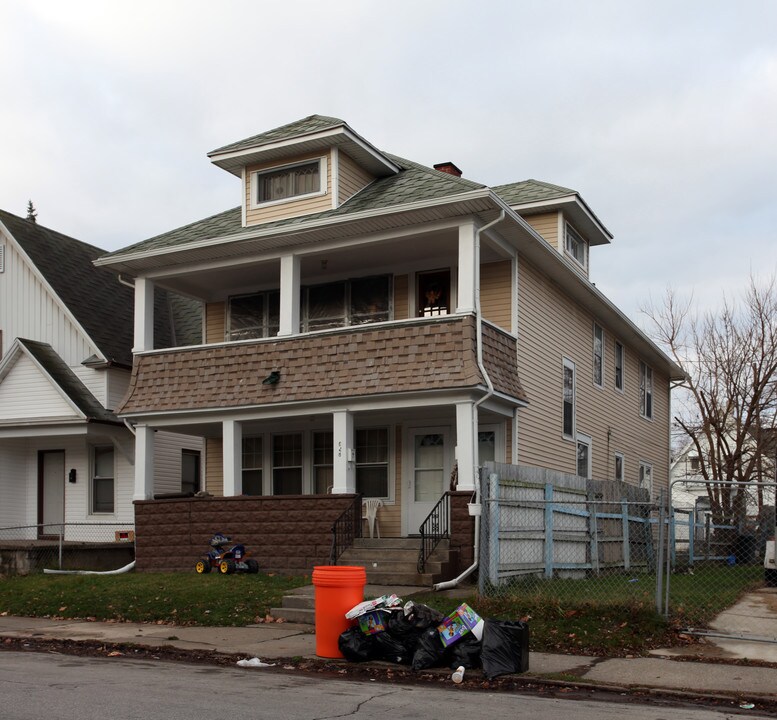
{"x": 338, "y": 588}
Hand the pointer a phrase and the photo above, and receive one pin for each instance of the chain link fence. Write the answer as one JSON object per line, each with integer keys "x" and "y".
{"x": 26, "y": 549}
{"x": 545, "y": 535}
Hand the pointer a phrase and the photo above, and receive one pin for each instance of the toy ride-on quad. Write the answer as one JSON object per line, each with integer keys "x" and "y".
{"x": 226, "y": 560}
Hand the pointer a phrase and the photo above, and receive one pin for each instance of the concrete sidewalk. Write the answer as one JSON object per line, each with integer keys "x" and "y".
{"x": 289, "y": 640}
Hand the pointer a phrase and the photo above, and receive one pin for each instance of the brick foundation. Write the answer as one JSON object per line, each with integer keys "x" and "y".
{"x": 288, "y": 534}
{"x": 462, "y": 530}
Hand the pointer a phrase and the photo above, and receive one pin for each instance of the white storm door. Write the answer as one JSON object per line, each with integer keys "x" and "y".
{"x": 429, "y": 473}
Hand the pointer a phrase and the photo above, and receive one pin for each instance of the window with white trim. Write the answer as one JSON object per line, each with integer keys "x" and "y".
{"x": 645, "y": 390}
{"x": 190, "y": 471}
{"x": 598, "y": 355}
{"x": 288, "y": 182}
{"x": 584, "y": 455}
{"x": 323, "y": 462}
{"x": 287, "y": 464}
{"x": 575, "y": 246}
{"x": 372, "y": 462}
{"x": 646, "y": 476}
{"x": 620, "y": 358}
{"x": 103, "y": 479}
{"x": 253, "y": 457}
{"x": 357, "y": 301}
{"x": 619, "y": 465}
{"x": 568, "y": 400}
{"x": 254, "y": 316}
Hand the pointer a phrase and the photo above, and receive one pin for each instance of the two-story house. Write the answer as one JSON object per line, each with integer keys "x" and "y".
{"x": 372, "y": 324}
{"x": 65, "y": 361}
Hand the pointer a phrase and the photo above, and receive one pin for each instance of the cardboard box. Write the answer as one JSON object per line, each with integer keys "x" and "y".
{"x": 373, "y": 622}
{"x": 460, "y": 622}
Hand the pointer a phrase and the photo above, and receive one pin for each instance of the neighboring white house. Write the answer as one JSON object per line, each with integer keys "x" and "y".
{"x": 66, "y": 331}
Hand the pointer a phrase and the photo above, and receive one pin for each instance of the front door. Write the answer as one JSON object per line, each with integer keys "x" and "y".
{"x": 51, "y": 490}
{"x": 428, "y": 473}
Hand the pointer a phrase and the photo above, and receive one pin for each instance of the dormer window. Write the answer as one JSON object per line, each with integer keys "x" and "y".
{"x": 575, "y": 246}
{"x": 289, "y": 182}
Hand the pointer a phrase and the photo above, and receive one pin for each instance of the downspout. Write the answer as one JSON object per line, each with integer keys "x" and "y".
{"x": 489, "y": 393}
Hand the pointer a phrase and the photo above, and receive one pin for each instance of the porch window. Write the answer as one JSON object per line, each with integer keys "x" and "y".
{"x": 348, "y": 302}
{"x": 645, "y": 390}
{"x": 598, "y": 355}
{"x": 568, "y": 400}
{"x": 486, "y": 446}
{"x": 102, "y": 480}
{"x": 254, "y": 316}
{"x": 190, "y": 471}
{"x": 323, "y": 462}
{"x": 289, "y": 182}
{"x": 433, "y": 293}
{"x": 372, "y": 462}
{"x": 252, "y": 464}
{"x": 287, "y": 464}
{"x": 619, "y": 361}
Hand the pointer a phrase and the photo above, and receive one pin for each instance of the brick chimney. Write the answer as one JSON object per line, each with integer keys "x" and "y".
{"x": 448, "y": 167}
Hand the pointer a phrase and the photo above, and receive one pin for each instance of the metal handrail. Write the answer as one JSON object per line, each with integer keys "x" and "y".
{"x": 345, "y": 529}
{"x": 435, "y": 528}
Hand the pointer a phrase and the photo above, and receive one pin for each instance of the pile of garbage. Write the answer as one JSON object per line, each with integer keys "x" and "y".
{"x": 421, "y": 637}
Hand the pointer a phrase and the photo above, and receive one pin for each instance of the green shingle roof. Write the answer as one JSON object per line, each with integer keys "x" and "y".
{"x": 413, "y": 183}
{"x": 528, "y": 191}
{"x": 310, "y": 124}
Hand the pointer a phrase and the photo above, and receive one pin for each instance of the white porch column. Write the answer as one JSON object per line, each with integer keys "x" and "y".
{"x": 469, "y": 265}
{"x": 144, "y": 315}
{"x": 232, "y": 457}
{"x": 144, "y": 463}
{"x": 344, "y": 453}
{"x": 289, "y": 310}
{"x": 466, "y": 445}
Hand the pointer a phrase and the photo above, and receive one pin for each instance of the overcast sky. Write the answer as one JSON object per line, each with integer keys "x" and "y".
{"x": 663, "y": 115}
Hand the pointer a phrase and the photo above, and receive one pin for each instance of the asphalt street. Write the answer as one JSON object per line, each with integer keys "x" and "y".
{"x": 35, "y": 686}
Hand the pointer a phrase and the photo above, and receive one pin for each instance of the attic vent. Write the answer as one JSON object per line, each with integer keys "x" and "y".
{"x": 2, "y": 258}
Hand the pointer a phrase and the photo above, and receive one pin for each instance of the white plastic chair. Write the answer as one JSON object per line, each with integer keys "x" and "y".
{"x": 370, "y": 514}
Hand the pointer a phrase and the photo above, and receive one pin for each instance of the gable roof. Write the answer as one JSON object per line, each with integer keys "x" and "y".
{"x": 65, "y": 379}
{"x": 98, "y": 301}
{"x": 531, "y": 191}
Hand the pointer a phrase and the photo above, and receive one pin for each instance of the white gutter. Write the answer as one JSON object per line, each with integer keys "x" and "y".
{"x": 489, "y": 393}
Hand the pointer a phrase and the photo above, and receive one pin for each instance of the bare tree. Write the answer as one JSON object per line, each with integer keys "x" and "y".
{"x": 728, "y": 409}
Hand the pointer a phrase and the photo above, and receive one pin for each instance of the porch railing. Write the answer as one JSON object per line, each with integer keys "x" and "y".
{"x": 435, "y": 528}
{"x": 345, "y": 529}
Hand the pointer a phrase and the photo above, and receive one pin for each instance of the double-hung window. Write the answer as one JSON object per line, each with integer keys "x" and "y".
{"x": 575, "y": 246}
{"x": 598, "y": 355}
{"x": 190, "y": 471}
{"x": 103, "y": 483}
{"x": 372, "y": 462}
{"x": 287, "y": 464}
{"x": 619, "y": 460}
{"x": 619, "y": 362}
{"x": 645, "y": 390}
{"x": 253, "y": 454}
{"x": 646, "y": 476}
{"x": 290, "y": 182}
{"x": 568, "y": 399}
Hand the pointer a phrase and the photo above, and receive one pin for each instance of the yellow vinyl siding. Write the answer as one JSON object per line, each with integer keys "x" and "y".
{"x": 214, "y": 466}
{"x": 546, "y": 224}
{"x": 496, "y": 293}
{"x": 292, "y": 208}
{"x": 352, "y": 177}
{"x": 400, "y": 297}
{"x": 215, "y": 322}
{"x": 551, "y": 327}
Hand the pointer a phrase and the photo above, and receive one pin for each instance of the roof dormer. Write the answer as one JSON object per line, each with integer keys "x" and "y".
{"x": 305, "y": 167}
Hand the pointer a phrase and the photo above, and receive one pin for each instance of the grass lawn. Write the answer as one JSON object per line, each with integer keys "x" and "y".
{"x": 600, "y": 616}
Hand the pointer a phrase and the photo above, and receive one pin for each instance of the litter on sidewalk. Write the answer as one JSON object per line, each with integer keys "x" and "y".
{"x": 254, "y": 662}
{"x": 422, "y": 637}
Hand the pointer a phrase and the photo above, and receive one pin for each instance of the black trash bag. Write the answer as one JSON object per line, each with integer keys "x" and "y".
{"x": 430, "y": 651}
{"x": 356, "y": 646}
{"x": 423, "y": 616}
{"x": 505, "y": 647}
{"x": 466, "y": 652}
{"x": 393, "y": 649}
{"x": 404, "y": 630}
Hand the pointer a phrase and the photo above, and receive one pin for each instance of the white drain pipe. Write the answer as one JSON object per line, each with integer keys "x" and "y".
{"x": 490, "y": 391}
{"x": 120, "y": 571}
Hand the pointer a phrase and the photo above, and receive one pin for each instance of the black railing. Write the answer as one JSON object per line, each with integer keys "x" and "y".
{"x": 347, "y": 527}
{"x": 436, "y": 527}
